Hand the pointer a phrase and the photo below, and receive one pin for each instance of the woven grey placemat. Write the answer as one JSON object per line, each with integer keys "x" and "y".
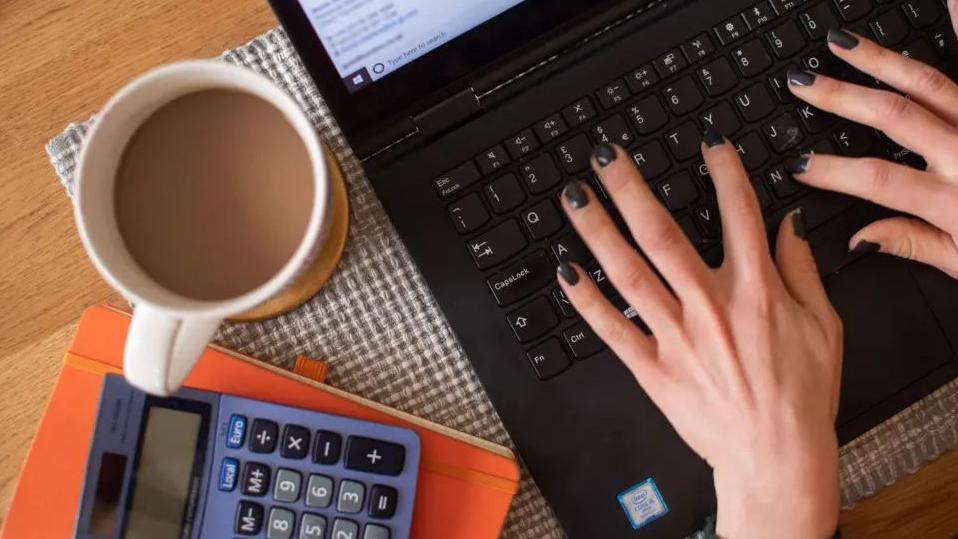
{"x": 386, "y": 339}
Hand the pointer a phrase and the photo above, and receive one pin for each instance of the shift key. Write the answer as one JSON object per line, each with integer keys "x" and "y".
{"x": 522, "y": 278}
{"x": 497, "y": 245}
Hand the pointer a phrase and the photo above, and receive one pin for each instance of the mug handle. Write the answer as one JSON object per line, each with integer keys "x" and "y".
{"x": 161, "y": 349}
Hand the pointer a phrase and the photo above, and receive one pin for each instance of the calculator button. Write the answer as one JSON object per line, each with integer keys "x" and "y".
{"x": 249, "y": 518}
{"x": 319, "y": 491}
{"x": 287, "y": 485}
{"x": 351, "y": 496}
{"x": 376, "y": 456}
{"x": 327, "y": 447}
{"x": 382, "y": 501}
{"x": 295, "y": 442}
{"x": 228, "y": 472}
{"x": 255, "y": 479}
{"x": 344, "y": 529}
{"x": 375, "y": 531}
{"x": 263, "y": 436}
{"x": 280, "y": 524}
{"x": 312, "y": 527}
{"x": 236, "y": 433}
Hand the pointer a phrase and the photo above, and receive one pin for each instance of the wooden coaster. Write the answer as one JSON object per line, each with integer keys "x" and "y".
{"x": 313, "y": 278}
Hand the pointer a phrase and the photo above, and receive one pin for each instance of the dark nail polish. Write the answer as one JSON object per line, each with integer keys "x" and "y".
{"x": 866, "y": 247}
{"x": 800, "y": 77}
{"x": 604, "y": 154}
{"x": 576, "y": 195}
{"x": 568, "y": 274}
{"x": 712, "y": 138}
{"x": 799, "y": 224}
{"x": 843, "y": 39}
{"x": 799, "y": 165}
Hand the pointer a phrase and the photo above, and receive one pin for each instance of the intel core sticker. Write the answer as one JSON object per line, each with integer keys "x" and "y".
{"x": 643, "y": 503}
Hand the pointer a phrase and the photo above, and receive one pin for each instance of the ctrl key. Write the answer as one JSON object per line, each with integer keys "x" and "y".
{"x": 548, "y": 359}
{"x": 249, "y": 518}
{"x": 583, "y": 341}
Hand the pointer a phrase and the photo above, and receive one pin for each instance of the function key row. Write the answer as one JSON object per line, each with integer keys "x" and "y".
{"x": 362, "y": 454}
{"x": 282, "y": 524}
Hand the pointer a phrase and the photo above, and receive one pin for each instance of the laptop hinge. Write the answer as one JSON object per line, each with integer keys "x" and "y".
{"x": 450, "y": 113}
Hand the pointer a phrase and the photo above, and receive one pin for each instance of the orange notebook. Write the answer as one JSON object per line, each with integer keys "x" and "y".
{"x": 466, "y": 485}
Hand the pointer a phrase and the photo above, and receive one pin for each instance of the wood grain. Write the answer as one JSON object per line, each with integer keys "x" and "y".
{"x": 59, "y": 62}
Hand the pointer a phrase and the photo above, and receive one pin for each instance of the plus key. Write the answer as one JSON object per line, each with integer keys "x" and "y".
{"x": 374, "y": 456}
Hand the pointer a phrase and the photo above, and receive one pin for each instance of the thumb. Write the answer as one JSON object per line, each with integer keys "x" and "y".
{"x": 910, "y": 238}
{"x": 793, "y": 256}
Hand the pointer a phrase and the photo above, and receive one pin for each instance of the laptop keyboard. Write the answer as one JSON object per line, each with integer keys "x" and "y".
{"x": 505, "y": 201}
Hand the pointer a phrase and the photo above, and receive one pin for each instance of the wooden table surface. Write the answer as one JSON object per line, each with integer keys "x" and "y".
{"x": 59, "y": 62}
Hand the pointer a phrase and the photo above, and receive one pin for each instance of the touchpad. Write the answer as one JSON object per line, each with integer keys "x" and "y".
{"x": 891, "y": 335}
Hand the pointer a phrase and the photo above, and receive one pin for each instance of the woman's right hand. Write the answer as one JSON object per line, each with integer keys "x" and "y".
{"x": 926, "y": 123}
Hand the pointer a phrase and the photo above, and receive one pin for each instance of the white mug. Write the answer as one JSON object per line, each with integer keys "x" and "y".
{"x": 169, "y": 331}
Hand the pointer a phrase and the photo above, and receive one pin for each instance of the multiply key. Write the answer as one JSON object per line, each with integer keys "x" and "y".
{"x": 522, "y": 278}
{"x": 496, "y": 245}
{"x": 374, "y": 456}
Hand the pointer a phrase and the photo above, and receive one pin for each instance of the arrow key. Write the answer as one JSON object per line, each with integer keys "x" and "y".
{"x": 532, "y": 320}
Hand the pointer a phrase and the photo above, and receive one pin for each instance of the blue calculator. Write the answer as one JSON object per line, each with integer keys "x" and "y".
{"x": 206, "y": 465}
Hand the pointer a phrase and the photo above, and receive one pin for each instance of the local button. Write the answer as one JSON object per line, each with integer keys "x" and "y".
{"x": 228, "y": 471}
{"x": 236, "y": 433}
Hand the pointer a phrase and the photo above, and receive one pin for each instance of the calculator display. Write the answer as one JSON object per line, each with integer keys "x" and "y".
{"x": 164, "y": 475}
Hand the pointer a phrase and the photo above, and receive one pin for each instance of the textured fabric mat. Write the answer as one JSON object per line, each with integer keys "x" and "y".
{"x": 387, "y": 340}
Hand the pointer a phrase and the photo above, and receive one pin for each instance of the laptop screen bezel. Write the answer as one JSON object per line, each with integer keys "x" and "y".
{"x": 431, "y": 78}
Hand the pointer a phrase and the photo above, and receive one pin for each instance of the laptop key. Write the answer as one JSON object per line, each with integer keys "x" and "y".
{"x": 781, "y": 182}
{"x": 548, "y": 360}
{"x": 613, "y": 94}
{"x": 818, "y": 20}
{"x": 497, "y": 245}
{"x": 945, "y": 42}
{"x": 468, "y": 214}
{"x": 815, "y": 120}
{"x": 717, "y": 77}
{"x": 670, "y": 63}
{"x": 651, "y": 160}
{"x": 542, "y": 220}
{"x": 709, "y": 219}
{"x": 570, "y": 248}
{"x": 889, "y": 29}
{"x": 855, "y": 140}
{"x": 521, "y": 279}
{"x": 821, "y": 60}
{"x": 920, "y": 50}
{"x": 648, "y": 115}
{"x": 784, "y": 6}
{"x": 504, "y": 194}
{"x": 641, "y": 79}
{"x": 921, "y": 13}
{"x": 579, "y": 112}
{"x": 684, "y": 141}
{"x": 786, "y": 40}
{"x": 492, "y": 160}
{"x": 698, "y": 48}
{"x": 565, "y": 306}
{"x": 754, "y": 103}
{"x": 683, "y": 96}
{"x": 752, "y": 151}
{"x": 522, "y": 144}
{"x": 779, "y": 84}
{"x": 678, "y": 191}
{"x": 574, "y": 154}
{"x": 722, "y": 119}
{"x": 759, "y": 15}
{"x": 550, "y": 128}
{"x": 752, "y": 58}
{"x": 852, "y": 10}
{"x": 731, "y": 30}
{"x": 582, "y": 341}
{"x": 601, "y": 280}
{"x": 456, "y": 179}
{"x": 540, "y": 174}
{"x": 690, "y": 231}
{"x": 783, "y": 133}
{"x": 614, "y": 130}
{"x": 764, "y": 200}
{"x": 533, "y": 320}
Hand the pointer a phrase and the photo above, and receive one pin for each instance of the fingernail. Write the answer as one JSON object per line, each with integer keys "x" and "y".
{"x": 800, "y": 77}
{"x": 604, "y": 154}
{"x": 799, "y": 224}
{"x": 842, "y": 38}
{"x": 712, "y": 138}
{"x": 568, "y": 274}
{"x": 799, "y": 165}
{"x": 576, "y": 195}
{"x": 866, "y": 247}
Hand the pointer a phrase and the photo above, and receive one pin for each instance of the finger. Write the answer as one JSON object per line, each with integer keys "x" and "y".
{"x": 888, "y": 184}
{"x": 742, "y": 224}
{"x": 909, "y": 238}
{"x": 625, "y": 268}
{"x": 630, "y": 344}
{"x": 652, "y": 226}
{"x": 925, "y": 84}
{"x": 953, "y": 9}
{"x": 906, "y": 122}
{"x": 793, "y": 256}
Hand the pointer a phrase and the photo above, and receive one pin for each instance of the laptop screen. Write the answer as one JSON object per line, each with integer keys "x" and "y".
{"x": 369, "y": 39}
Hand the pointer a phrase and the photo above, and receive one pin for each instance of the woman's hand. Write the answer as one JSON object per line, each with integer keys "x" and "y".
{"x": 926, "y": 123}
{"x": 744, "y": 361}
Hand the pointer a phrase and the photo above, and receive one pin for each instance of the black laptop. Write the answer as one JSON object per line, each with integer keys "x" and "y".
{"x": 471, "y": 115}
